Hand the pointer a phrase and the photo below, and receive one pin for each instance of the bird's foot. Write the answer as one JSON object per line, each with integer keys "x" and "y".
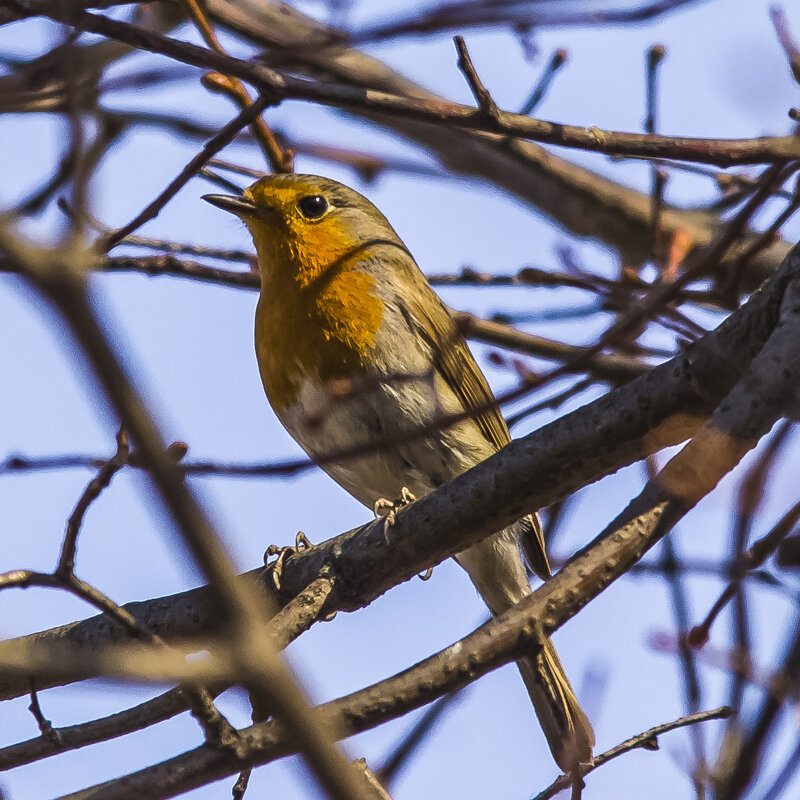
{"x": 388, "y": 508}
{"x": 276, "y": 567}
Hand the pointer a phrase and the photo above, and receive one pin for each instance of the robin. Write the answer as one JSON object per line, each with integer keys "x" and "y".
{"x": 357, "y": 353}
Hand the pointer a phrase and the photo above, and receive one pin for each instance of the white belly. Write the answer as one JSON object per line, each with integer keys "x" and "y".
{"x": 376, "y": 422}
{"x": 366, "y": 424}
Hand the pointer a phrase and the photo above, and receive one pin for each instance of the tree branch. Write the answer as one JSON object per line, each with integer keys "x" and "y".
{"x": 659, "y": 409}
{"x": 766, "y": 390}
{"x": 292, "y": 620}
{"x": 59, "y": 280}
{"x": 648, "y": 740}
{"x": 724, "y": 152}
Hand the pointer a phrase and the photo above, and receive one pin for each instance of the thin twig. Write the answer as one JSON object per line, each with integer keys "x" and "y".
{"x": 557, "y": 60}
{"x": 66, "y": 561}
{"x": 753, "y": 558}
{"x": 724, "y": 152}
{"x": 209, "y": 150}
{"x": 280, "y": 160}
{"x": 760, "y": 242}
{"x": 673, "y": 572}
{"x": 486, "y": 105}
{"x": 220, "y": 181}
{"x": 785, "y": 38}
{"x": 240, "y": 787}
{"x": 457, "y": 15}
{"x": 647, "y": 740}
{"x": 49, "y": 733}
{"x": 554, "y": 401}
{"x": 395, "y": 762}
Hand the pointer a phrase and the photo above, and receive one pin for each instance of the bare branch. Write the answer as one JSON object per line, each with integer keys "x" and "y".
{"x": 66, "y": 562}
{"x": 723, "y": 390}
{"x": 253, "y": 651}
{"x": 719, "y": 445}
{"x": 280, "y": 160}
{"x": 486, "y": 105}
{"x": 273, "y": 84}
{"x": 752, "y": 558}
{"x": 557, "y": 60}
{"x": 210, "y": 149}
{"x": 654, "y": 411}
{"x": 459, "y": 16}
{"x": 785, "y": 38}
{"x": 647, "y": 740}
{"x": 292, "y": 620}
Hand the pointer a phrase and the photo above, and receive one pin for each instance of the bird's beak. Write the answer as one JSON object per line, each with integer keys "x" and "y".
{"x": 240, "y": 206}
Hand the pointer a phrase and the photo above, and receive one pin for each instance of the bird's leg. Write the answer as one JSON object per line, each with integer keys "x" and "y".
{"x": 276, "y": 567}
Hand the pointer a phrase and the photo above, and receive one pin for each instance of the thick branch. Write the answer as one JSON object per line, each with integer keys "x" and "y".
{"x": 766, "y": 390}
{"x": 654, "y": 411}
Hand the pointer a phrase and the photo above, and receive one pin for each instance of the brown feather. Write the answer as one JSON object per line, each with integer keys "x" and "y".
{"x": 457, "y": 366}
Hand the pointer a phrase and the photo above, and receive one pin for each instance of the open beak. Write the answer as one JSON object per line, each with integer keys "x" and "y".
{"x": 240, "y": 206}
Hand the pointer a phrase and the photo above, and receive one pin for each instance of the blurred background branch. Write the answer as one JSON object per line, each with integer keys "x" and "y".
{"x": 623, "y": 317}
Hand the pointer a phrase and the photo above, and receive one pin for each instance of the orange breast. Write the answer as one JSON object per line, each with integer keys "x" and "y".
{"x": 322, "y": 332}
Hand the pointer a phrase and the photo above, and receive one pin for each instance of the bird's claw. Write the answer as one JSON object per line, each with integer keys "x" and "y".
{"x": 388, "y": 508}
{"x": 406, "y": 496}
{"x": 301, "y": 542}
{"x": 382, "y": 507}
{"x": 276, "y": 567}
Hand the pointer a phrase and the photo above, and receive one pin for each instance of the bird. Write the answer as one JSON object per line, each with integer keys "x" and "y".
{"x": 357, "y": 353}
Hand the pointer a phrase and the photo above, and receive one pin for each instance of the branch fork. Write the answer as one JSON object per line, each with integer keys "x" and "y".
{"x": 487, "y": 108}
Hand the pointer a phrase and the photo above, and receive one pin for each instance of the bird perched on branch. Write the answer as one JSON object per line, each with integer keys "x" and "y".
{"x": 357, "y": 353}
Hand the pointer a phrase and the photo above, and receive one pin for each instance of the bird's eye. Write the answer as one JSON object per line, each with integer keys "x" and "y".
{"x": 313, "y": 206}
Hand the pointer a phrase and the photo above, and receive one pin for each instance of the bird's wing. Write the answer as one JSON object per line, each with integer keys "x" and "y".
{"x": 455, "y": 363}
{"x": 457, "y": 366}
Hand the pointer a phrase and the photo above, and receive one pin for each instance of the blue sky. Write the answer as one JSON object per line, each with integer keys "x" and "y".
{"x": 190, "y": 348}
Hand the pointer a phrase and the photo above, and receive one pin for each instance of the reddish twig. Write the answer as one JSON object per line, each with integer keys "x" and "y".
{"x": 279, "y": 159}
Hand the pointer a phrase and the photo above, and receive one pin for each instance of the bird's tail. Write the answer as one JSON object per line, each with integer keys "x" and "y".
{"x": 567, "y": 729}
{"x": 495, "y": 567}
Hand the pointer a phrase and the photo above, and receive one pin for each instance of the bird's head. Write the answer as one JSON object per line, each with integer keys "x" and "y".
{"x": 303, "y": 224}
